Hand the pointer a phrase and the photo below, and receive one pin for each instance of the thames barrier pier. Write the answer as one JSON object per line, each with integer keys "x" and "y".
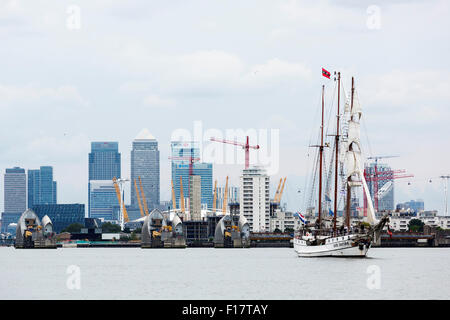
{"x": 31, "y": 233}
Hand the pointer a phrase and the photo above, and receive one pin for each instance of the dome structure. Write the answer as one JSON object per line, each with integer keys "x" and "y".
{"x": 28, "y": 220}
{"x": 162, "y": 229}
{"x": 232, "y": 231}
{"x": 152, "y": 223}
{"x": 32, "y": 233}
{"x": 177, "y": 224}
{"x": 47, "y": 224}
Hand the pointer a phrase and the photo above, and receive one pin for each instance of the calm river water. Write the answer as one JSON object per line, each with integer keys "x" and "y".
{"x": 256, "y": 273}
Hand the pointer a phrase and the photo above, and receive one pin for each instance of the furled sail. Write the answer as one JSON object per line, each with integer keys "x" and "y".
{"x": 353, "y": 163}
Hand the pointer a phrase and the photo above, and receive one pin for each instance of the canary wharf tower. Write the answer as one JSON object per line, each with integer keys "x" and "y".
{"x": 145, "y": 164}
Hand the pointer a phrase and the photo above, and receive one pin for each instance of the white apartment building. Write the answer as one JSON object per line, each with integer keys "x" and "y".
{"x": 283, "y": 220}
{"x": 254, "y": 198}
{"x": 399, "y": 221}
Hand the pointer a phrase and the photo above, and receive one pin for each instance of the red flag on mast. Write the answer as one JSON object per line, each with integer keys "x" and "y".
{"x": 389, "y": 232}
{"x": 325, "y": 73}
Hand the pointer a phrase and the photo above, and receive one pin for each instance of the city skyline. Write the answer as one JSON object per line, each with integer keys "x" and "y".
{"x": 220, "y": 76}
{"x": 183, "y": 166}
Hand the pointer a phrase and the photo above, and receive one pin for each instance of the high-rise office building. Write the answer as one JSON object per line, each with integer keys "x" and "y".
{"x": 181, "y": 152}
{"x": 104, "y": 161}
{"x": 104, "y": 164}
{"x": 103, "y": 200}
{"x": 254, "y": 198}
{"x": 41, "y": 187}
{"x": 385, "y": 184}
{"x": 15, "y": 190}
{"x": 205, "y": 171}
{"x": 145, "y": 164}
{"x": 15, "y": 196}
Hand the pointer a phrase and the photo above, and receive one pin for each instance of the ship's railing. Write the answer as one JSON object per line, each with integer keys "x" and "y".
{"x": 330, "y": 232}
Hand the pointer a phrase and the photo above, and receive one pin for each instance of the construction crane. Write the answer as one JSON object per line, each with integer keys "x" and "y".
{"x": 174, "y": 201}
{"x": 386, "y": 175}
{"x": 182, "y": 196}
{"x": 375, "y": 185}
{"x": 278, "y": 190}
{"x": 138, "y": 199}
{"x": 246, "y": 146}
{"x": 280, "y": 194}
{"x": 225, "y": 198}
{"x": 123, "y": 211}
{"x": 144, "y": 200}
{"x": 215, "y": 196}
{"x": 191, "y": 162}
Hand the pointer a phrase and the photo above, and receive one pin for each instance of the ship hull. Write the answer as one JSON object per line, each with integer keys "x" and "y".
{"x": 334, "y": 247}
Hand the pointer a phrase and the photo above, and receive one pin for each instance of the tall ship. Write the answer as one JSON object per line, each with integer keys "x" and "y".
{"x": 325, "y": 237}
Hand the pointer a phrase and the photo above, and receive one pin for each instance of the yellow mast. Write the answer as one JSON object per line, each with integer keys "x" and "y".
{"x": 281, "y": 191}
{"x": 225, "y": 198}
{"x": 139, "y": 199}
{"x": 143, "y": 197}
{"x": 121, "y": 203}
{"x": 174, "y": 201}
{"x": 181, "y": 195}
{"x": 278, "y": 190}
{"x": 215, "y": 196}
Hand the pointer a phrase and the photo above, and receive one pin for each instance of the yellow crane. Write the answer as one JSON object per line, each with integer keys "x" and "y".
{"x": 138, "y": 199}
{"x": 281, "y": 191}
{"x": 225, "y": 198}
{"x": 121, "y": 203}
{"x": 215, "y": 196}
{"x": 278, "y": 190}
{"x": 174, "y": 201}
{"x": 181, "y": 196}
{"x": 143, "y": 197}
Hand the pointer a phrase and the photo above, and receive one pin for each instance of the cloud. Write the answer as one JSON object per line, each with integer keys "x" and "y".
{"x": 402, "y": 87}
{"x": 157, "y": 101}
{"x": 280, "y": 33}
{"x": 276, "y": 71}
{"x": 322, "y": 14}
{"x": 214, "y": 72}
{"x": 49, "y": 148}
{"x": 10, "y": 94}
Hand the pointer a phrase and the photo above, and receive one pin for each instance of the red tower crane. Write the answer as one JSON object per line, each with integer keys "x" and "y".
{"x": 246, "y": 146}
{"x": 188, "y": 158}
{"x": 379, "y": 176}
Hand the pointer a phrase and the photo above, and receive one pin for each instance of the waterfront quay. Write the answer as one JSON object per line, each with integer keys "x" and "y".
{"x": 428, "y": 238}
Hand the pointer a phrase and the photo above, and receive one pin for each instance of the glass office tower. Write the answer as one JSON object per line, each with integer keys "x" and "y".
{"x": 104, "y": 164}
{"x": 41, "y": 187}
{"x": 145, "y": 164}
{"x": 181, "y": 152}
{"x": 15, "y": 196}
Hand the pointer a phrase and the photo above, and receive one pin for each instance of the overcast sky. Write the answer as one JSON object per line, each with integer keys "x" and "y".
{"x": 231, "y": 64}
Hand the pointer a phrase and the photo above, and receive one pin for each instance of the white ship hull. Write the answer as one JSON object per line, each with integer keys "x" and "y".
{"x": 343, "y": 246}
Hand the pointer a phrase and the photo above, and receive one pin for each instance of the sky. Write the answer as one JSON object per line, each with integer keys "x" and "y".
{"x": 73, "y": 72}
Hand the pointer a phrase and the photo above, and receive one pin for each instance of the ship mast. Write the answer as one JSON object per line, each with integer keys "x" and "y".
{"x": 320, "y": 160}
{"x": 337, "y": 154}
{"x": 349, "y": 193}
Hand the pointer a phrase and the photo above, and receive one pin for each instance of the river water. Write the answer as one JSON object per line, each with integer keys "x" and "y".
{"x": 208, "y": 273}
